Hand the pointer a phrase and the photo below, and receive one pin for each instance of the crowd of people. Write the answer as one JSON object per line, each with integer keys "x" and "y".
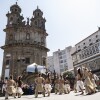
{"x": 85, "y": 82}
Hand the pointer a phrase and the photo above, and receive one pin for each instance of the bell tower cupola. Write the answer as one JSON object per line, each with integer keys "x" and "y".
{"x": 14, "y": 16}
{"x": 15, "y": 8}
{"x": 38, "y": 12}
{"x": 38, "y": 20}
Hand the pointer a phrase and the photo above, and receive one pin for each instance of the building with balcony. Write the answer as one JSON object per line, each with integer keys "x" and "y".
{"x": 87, "y": 53}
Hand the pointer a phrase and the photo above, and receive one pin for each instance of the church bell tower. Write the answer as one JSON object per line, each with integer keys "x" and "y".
{"x": 25, "y": 42}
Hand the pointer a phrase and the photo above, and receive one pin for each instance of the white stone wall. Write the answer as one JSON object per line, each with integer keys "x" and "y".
{"x": 50, "y": 63}
{"x": 62, "y": 60}
{"x": 69, "y": 57}
{"x": 56, "y": 62}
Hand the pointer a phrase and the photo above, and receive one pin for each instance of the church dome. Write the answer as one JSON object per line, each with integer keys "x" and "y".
{"x": 37, "y": 12}
{"x": 15, "y": 8}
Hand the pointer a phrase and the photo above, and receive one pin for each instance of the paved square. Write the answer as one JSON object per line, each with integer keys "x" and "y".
{"x": 71, "y": 96}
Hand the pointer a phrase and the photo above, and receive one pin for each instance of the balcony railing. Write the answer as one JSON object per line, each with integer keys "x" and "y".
{"x": 89, "y": 51}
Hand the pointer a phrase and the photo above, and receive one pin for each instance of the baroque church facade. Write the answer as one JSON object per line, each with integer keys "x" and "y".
{"x": 25, "y": 42}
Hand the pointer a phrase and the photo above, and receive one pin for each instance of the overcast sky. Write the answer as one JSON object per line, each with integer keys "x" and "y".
{"x": 68, "y": 21}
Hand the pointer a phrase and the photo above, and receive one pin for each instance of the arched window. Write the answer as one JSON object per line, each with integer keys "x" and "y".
{"x": 15, "y": 10}
{"x": 27, "y": 36}
{"x": 38, "y": 14}
{"x": 11, "y": 20}
{"x": 36, "y": 23}
{"x": 42, "y": 25}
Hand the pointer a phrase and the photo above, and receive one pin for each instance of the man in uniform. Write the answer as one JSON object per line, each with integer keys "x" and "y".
{"x": 39, "y": 85}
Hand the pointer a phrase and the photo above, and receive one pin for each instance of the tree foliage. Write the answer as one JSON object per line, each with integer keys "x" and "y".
{"x": 68, "y": 74}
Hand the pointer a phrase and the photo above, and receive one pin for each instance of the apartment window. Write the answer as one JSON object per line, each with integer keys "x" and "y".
{"x": 79, "y": 50}
{"x": 60, "y": 53}
{"x": 61, "y": 61}
{"x": 64, "y": 56}
{"x": 63, "y": 52}
{"x": 84, "y": 43}
{"x": 91, "y": 44}
{"x": 61, "y": 66}
{"x": 97, "y": 40}
{"x": 66, "y": 68}
{"x": 96, "y": 36}
{"x": 65, "y": 65}
{"x": 65, "y": 60}
{"x": 89, "y": 40}
{"x": 85, "y": 47}
{"x": 60, "y": 57}
{"x": 78, "y": 46}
